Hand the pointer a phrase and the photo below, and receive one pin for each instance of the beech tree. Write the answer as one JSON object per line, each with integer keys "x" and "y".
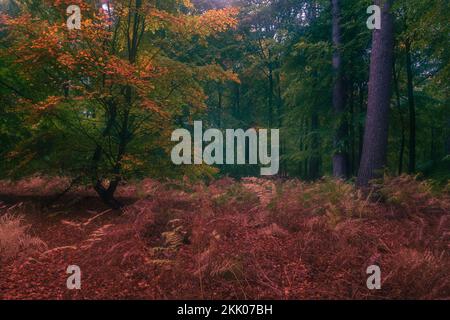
{"x": 374, "y": 154}
{"x": 111, "y": 88}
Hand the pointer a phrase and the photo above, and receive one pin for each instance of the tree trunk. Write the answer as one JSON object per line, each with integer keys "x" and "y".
{"x": 340, "y": 157}
{"x": 280, "y": 110}
{"x": 433, "y": 149}
{"x": 447, "y": 142}
{"x": 402, "y": 146}
{"x": 412, "y": 111}
{"x": 270, "y": 95}
{"x": 302, "y": 148}
{"x": 361, "y": 89}
{"x": 351, "y": 132}
{"x": 106, "y": 193}
{"x": 314, "y": 160}
{"x": 402, "y": 122}
{"x": 374, "y": 155}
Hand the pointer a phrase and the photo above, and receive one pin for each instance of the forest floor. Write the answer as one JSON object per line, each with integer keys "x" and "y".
{"x": 248, "y": 239}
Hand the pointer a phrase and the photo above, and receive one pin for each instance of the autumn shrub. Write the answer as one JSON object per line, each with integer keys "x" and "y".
{"x": 334, "y": 199}
{"x": 15, "y": 240}
{"x": 236, "y": 195}
{"x": 35, "y": 185}
{"x": 446, "y": 189}
{"x": 418, "y": 274}
{"x": 412, "y": 196}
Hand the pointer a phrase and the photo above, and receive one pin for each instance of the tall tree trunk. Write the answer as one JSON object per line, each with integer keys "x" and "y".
{"x": 433, "y": 149}
{"x": 401, "y": 155}
{"x": 280, "y": 102}
{"x": 351, "y": 132}
{"x": 314, "y": 160}
{"x": 361, "y": 89}
{"x": 412, "y": 110}
{"x": 340, "y": 157}
{"x": 280, "y": 111}
{"x": 301, "y": 147}
{"x": 270, "y": 94}
{"x": 447, "y": 142}
{"x": 402, "y": 122}
{"x": 374, "y": 155}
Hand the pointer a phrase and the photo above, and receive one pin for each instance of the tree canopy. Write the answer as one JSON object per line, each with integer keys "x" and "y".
{"x": 98, "y": 104}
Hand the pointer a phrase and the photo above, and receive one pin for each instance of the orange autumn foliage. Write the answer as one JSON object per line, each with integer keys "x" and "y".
{"x": 89, "y": 53}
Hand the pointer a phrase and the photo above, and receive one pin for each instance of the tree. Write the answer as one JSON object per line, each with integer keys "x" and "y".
{"x": 412, "y": 109}
{"x": 374, "y": 155}
{"x": 105, "y": 97}
{"x": 340, "y": 157}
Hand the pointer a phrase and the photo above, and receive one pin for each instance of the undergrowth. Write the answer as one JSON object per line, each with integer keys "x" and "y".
{"x": 261, "y": 239}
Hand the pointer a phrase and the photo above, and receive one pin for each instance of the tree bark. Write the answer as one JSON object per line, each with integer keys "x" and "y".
{"x": 447, "y": 142}
{"x": 402, "y": 122}
{"x": 412, "y": 110}
{"x": 361, "y": 93}
{"x": 351, "y": 131}
{"x": 134, "y": 35}
{"x": 280, "y": 110}
{"x": 314, "y": 160}
{"x": 433, "y": 149}
{"x": 270, "y": 93}
{"x": 374, "y": 157}
{"x": 340, "y": 157}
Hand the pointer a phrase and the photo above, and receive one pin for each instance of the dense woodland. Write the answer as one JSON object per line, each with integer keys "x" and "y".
{"x": 94, "y": 109}
{"x": 101, "y": 102}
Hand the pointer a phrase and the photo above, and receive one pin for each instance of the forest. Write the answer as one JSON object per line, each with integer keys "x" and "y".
{"x": 313, "y": 155}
